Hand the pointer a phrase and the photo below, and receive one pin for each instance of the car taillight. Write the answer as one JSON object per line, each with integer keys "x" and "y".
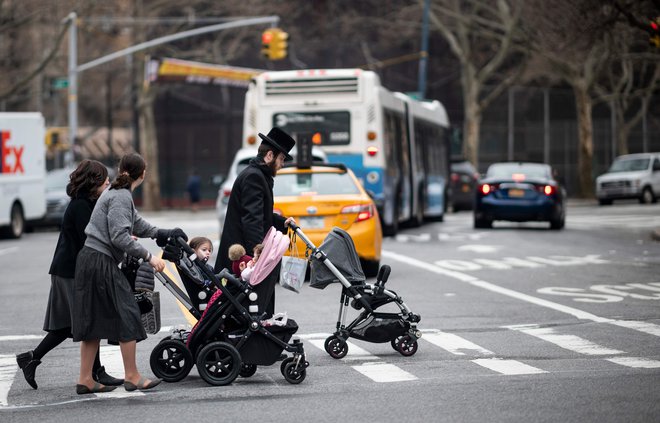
{"x": 454, "y": 177}
{"x": 485, "y": 189}
{"x": 548, "y": 190}
{"x": 372, "y": 151}
{"x": 364, "y": 211}
{"x": 226, "y": 193}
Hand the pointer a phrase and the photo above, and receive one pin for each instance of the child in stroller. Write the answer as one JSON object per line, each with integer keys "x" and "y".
{"x": 230, "y": 337}
{"x": 336, "y": 261}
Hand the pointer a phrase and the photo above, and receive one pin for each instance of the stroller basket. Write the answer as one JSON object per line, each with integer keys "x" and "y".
{"x": 380, "y": 327}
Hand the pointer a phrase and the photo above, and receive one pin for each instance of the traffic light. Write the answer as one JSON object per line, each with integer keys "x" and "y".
{"x": 274, "y": 43}
{"x": 654, "y": 37}
{"x": 55, "y": 138}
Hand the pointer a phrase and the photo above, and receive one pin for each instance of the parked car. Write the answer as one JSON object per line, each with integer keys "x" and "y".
{"x": 56, "y": 198}
{"x": 630, "y": 176}
{"x": 464, "y": 178}
{"x": 519, "y": 192}
{"x": 240, "y": 162}
{"x": 326, "y": 196}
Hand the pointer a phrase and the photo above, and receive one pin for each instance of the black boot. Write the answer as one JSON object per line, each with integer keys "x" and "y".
{"x": 103, "y": 378}
{"x": 29, "y": 367}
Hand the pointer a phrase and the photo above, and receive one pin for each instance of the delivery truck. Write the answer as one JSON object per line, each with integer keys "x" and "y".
{"x": 22, "y": 172}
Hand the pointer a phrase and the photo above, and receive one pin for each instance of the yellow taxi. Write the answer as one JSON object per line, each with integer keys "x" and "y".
{"x": 324, "y": 196}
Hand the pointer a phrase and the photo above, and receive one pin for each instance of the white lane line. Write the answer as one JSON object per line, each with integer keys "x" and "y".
{"x": 383, "y": 372}
{"x": 8, "y": 250}
{"x": 111, "y": 359}
{"x": 8, "y": 368}
{"x": 567, "y": 342}
{"x": 508, "y": 367}
{"x": 20, "y": 337}
{"x": 637, "y": 362}
{"x": 645, "y": 327}
{"x": 453, "y": 343}
{"x": 354, "y": 352}
{"x": 580, "y": 314}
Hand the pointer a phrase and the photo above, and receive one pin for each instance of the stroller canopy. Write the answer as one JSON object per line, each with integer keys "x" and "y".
{"x": 275, "y": 244}
{"x": 339, "y": 248}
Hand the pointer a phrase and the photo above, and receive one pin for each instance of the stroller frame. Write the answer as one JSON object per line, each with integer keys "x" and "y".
{"x": 400, "y": 329}
{"x": 218, "y": 359}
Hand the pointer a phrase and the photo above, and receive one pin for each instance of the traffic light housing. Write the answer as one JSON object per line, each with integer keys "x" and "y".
{"x": 274, "y": 44}
{"x": 55, "y": 138}
{"x": 654, "y": 33}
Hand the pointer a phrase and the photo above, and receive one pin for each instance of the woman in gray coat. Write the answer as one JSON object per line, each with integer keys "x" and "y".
{"x": 104, "y": 305}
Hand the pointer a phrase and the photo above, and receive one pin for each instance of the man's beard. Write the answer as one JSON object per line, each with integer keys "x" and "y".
{"x": 273, "y": 167}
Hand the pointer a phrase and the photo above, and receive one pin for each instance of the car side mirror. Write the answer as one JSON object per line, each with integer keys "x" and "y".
{"x": 217, "y": 180}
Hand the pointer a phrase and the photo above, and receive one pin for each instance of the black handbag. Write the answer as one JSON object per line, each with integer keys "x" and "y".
{"x": 129, "y": 267}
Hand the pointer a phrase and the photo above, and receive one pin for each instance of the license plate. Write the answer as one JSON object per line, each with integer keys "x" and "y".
{"x": 315, "y": 222}
{"x": 466, "y": 188}
{"x": 516, "y": 193}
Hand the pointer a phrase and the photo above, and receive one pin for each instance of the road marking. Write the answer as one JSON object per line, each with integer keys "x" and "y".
{"x": 8, "y": 368}
{"x": 636, "y": 362}
{"x": 8, "y": 250}
{"x": 354, "y": 352}
{"x": 384, "y": 372}
{"x": 648, "y": 328}
{"x": 112, "y": 361}
{"x": 508, "y": 367}
{"x": 477, "y": 248}
{"x": 567, "y": 342}
{"x": 453, "y": 343}
{"x": 20, "y": 337}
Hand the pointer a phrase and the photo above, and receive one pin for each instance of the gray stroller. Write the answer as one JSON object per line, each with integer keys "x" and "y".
{"x": 336, "y": 261}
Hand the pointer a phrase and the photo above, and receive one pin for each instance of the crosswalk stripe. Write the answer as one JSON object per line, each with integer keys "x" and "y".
{"x": 568, "y": 342}
{"x": 637, "y": 362}
{"x": 354, "y": 352}
{"x": 453, "y": 343}
{"x": 8, "y": 368}
{"x": 110, "y": 356}
{"x": 508, "y": 367}
{"x": 384, "y": 372}
{"x": 646, "y": 327}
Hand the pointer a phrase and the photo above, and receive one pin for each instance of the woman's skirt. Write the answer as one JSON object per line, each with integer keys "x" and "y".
{"x": 58, "y": 311}
{"x": 104, "y": 306}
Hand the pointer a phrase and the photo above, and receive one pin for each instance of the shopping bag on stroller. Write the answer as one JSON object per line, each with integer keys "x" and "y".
{"x": 292, "y": 274}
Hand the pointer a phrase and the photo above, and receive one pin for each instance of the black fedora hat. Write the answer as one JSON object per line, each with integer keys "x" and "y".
{"x": 280, "y": 140}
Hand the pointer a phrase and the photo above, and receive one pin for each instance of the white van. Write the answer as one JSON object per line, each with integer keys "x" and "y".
{"x": 22, "y": 171}
{"x": 631, "y": 176}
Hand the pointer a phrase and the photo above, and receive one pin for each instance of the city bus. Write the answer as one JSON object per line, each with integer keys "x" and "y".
{"x": 397, "y": 146}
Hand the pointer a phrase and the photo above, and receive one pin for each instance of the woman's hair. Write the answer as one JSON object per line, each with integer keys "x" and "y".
{"x": 198, "y": 241}
{"x": 86, "y": 178}
{"x": 131, "y": 167}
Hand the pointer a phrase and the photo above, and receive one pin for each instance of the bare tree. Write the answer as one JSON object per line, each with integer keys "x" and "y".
{"x": 482, "y": 35}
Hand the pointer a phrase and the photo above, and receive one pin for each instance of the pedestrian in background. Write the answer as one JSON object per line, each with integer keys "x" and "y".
{"x": 104, "y": 306}
{"x": 250, "y": 209}
{"x": 86, "y": 183}
{"x": 194, "y": 188}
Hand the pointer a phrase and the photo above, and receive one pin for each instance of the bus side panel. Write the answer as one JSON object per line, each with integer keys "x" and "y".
{"x": 22, "y": 169}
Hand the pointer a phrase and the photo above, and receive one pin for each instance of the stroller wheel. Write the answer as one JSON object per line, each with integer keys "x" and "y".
{"x": 219, "y": 363}
{"x": 171, "y": 360}
{"x": 395, "y": 342}
{"x": 407, "y": 345}
{"x": 247, "y": 370}
{"x": 293, "y": 375}
{"x": 336, "y": 347}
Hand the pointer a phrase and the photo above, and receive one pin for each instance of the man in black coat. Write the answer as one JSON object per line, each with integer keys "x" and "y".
{"x": 250, "y": 209}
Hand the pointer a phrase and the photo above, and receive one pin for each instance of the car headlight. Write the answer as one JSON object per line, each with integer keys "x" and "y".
{"x": 636, "y": 183}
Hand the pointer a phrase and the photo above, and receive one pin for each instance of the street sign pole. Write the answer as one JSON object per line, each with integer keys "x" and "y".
{"x": 74, "y": 69}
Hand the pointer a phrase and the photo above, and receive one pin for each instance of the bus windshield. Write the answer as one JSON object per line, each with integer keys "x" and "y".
{"x": 324, "y": 128}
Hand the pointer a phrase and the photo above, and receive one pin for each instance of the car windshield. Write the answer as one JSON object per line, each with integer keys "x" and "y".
{"x": 293, "y": 184}
{"x": 629, "y": 165}
{"x": 510, "y": 170}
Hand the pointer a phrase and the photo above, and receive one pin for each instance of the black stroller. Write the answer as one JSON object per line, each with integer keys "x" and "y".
{"x": 336, "y": 261}
{"x": 230, "y": 338}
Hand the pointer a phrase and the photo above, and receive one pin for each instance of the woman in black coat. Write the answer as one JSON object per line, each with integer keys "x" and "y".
{"x": 250, "y": 209}
{"x": 86, "y": 183}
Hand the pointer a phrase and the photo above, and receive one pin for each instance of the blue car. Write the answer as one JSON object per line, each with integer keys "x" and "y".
{"x": 519, "y": 192}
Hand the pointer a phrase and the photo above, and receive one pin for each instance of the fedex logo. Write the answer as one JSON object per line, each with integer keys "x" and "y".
{"x": 10, "y": 156}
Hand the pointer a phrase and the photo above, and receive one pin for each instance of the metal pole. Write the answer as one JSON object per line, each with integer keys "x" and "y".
{"x": 613, "y": 128}
{"x": 511, "y": 128}
{"x": 645, "y": 141}
{"x": 73, "y": 85}
{"x": 424, "y": 54}
{"x": 546, "y": 125}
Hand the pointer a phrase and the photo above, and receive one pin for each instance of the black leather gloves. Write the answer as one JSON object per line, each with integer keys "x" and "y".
{"x": 163, "y": 235}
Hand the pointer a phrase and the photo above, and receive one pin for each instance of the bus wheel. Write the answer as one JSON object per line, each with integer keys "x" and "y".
{"x": 16, "y": 223}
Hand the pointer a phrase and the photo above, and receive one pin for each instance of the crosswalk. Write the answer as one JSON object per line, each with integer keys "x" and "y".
{"x": 436, "y": 345}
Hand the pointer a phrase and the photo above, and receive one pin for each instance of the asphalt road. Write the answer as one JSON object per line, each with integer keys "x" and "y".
{"x": 520, "y": 323}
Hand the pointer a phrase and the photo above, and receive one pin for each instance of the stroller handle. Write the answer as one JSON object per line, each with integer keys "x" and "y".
{"x": 302, "y": 236}
{"x": 184, "y": 246}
